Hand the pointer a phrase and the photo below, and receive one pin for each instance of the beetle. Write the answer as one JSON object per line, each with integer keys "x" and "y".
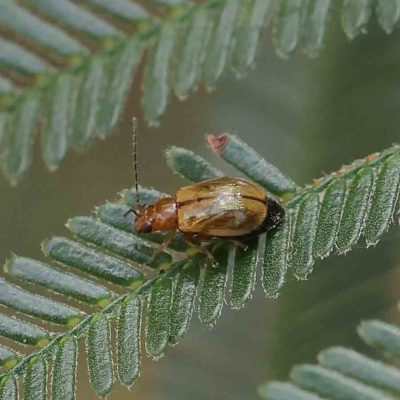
{"x": 232, "y": 209}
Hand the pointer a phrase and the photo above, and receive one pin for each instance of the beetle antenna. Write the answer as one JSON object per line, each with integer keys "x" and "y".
{"x": 131, "y": 210}
{"x": 135, "y": 129}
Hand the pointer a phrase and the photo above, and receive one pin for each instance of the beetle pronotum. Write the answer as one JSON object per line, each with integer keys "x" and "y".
{"x": 232, "y": 209}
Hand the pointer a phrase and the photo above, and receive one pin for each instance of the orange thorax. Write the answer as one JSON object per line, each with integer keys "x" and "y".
{"x": 162, "y": 215}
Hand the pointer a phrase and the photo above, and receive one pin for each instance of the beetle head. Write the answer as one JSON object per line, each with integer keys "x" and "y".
{"x": 143, "y": 220}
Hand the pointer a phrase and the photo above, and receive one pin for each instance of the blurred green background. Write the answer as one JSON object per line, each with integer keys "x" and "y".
{"x": 307, "y": 116}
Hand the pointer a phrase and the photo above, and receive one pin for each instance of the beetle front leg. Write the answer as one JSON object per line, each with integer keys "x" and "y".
{"x": 189, "y": 240}
{"x": 162, "y": 246}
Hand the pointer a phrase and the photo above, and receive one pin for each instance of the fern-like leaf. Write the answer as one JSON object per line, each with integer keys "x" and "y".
{"x": 344, "y": 374}
{"x": 338, "y": 208}
{"x": 76, "y": 75}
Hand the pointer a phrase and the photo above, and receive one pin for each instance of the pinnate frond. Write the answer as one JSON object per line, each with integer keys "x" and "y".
{"x": 107, "y": 267}
{"x": 343, "y": 373}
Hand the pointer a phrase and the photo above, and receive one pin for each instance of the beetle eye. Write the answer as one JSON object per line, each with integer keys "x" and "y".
{"x": 146, "y": 227}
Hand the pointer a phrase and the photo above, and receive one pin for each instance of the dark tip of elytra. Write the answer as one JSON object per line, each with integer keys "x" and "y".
{"x": 218, "y": 143}
{"x": 276, "y": 212}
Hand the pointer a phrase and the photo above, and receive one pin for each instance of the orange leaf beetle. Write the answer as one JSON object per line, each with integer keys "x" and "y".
{"x": 232, "y": 209}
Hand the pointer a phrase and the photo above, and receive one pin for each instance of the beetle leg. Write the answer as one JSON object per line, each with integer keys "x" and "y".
{"x": 238, "y": 243}
{"x": 189, "y": 241}
{"x": 163, "y": 245}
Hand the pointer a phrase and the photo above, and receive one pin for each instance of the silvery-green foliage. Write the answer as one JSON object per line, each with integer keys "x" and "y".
{"x": 345, "y": 374}
{"x": 117, "y": 279}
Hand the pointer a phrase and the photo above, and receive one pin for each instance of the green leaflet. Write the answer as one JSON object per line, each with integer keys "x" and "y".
{"x": 64, "y": 370}
{"x": 381, "y": 335}
{"x": 355, "y": 16}
{"x": 287, "y": 24}
{"x": 6, "y": 87}
{"x": 285, "y": 391}
{"x": 88, "y": 102}
{"x": 68, "y": 284}
{"x": 218, "y": 48}
{"x": 57, "y": 120}
{"x": 246, "y": 160}
{"x": 22, "y": 21}
{"x": 358, "y": 366}
{"x": 22, "y": 60}
{"x": 123, "y": 8}
{"x": 128, "y": 341}
{"x": 8, "y": 388}
{"x": 37, "y": 306}
{"x": 156, "y": 88}
{"x": 36, "y": 379}
{"x": 75, "y": 90}
{"x": 388, "y": 13}
{"x": 4, "y": 117}
{"x": 183, "y": 301}
{"x": 355, "y": 209}
{"x": 99, "y": 355}
{"x": 114, "y": 215}
{"x": 192, "y": 44}
{"x": 75, "y": 255}
{"x": 330, "y": 383}
{"x": 276, "y": 257}
{"x": 146, "y": 196}
{"x": 121, "y": 67}
{"x": 244, "y": 274}
{"x": 158, "y": 317}
{"x": 118, "y": 242}
{"x": 169, "y": 3}
{"x": 22, "y": 127}
{"x": 23, "y": 332}
{"x": 7, "y": 357}
{"x": 301, "y": 254}
{"x": 190, "y": 166}
{"x": 76, "y": 17}
{"x": 213, "y": 290}
{"x": 383, "y": 200}
{"x": 314, "y": 26}
{"x": 247, "y": 34}
{"x": 329, "y": 218}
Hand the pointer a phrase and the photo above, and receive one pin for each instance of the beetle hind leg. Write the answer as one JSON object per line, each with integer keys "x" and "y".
{"x": 240, "y": 244}
{"x": 189, "y": 240}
